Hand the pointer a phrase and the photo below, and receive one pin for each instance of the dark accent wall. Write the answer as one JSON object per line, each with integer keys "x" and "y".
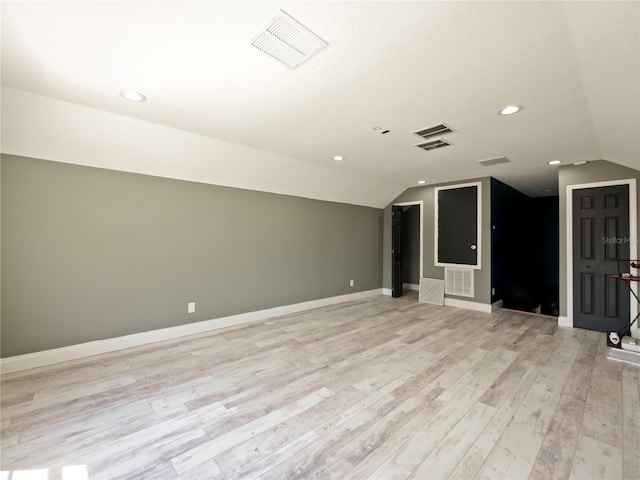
{"x": 90, "y": 254}
{"x": 507, "y": 236}
{"x": 545, "y": 237}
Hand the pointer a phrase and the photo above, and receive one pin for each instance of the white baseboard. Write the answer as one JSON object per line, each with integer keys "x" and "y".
{"x": 405, "y": 286}
{"x": 480, "y": 307}
{"x": 82, "y": 350}
{"x": 564, "y": 322}
{"x": 453, "y": 302}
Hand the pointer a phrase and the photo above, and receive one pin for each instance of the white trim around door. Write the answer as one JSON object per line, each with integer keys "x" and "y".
{"x": 633, "y": 244}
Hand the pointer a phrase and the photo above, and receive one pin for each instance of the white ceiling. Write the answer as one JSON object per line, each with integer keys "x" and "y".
{"x": 575, "y": 66}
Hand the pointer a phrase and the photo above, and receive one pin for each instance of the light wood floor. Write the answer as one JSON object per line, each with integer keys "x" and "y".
{"x": 374, "y": 389}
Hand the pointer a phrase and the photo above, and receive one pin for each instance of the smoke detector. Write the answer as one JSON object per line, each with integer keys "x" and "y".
{"x": 288, "y": 41}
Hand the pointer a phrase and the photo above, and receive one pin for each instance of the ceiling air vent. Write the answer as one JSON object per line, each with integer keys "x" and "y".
{"x": 432, "y": 145}
{"x": 288, "y": 41}
{"x": 493, "y": 161}
{"x": 434, "y": 131}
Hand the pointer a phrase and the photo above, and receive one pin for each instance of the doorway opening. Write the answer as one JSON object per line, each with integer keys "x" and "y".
{"x": 525, "y": 252}
{"x": 407, "y": 247}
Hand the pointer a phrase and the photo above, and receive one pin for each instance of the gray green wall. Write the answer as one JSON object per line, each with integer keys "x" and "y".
{"x": 482, "y": 277}
{"x": 599, "y": 171}
{"x": 91, "y": 254}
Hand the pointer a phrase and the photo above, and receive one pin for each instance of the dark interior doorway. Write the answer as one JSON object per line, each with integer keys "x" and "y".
{"x": 396, "y": 251}
{"x": 411, "y": 246}
{"x": 525, "y": 250}
{"x": 405, "y": 248}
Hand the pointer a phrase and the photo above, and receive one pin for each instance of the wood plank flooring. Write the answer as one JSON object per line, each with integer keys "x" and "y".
{"x": 375, "y": 389}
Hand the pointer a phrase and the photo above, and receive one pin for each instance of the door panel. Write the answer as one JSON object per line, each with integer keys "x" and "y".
{"x": 586, "y": 232}
{"x": 610, "y": 201}
{"x": 600, "y": 225}
{"x": 587, "y": 284}
{"x": 586, "y": 202}
{"x": 611, "y": 230}
{"x": 611, "y": 295}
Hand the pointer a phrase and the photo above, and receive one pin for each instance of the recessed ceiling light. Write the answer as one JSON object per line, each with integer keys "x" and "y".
{"x": 554, "y": 162}
{"x": 421, "y": 182}
{"x": 338, "y": 158}
{"x": 511, "y": 109}
{"x": 132, "y": 96}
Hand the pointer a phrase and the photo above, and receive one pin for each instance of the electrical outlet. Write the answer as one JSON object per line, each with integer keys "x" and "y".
{"x": 352, "y": 283}
{"x": 493, "y": 291}
{"x": 191, "y": 307}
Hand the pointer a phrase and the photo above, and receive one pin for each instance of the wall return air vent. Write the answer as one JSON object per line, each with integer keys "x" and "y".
{"x": 458, "y": 281}
{"x": 288, "y": 41}
{"x": 432, "y": 145}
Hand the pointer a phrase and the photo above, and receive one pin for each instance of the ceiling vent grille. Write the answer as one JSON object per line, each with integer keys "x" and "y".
{"x": 432, "y": 145}
{"x": 436, "y": 130}
{"x": 493, "y": 161}
{"x": 288, "y": 41}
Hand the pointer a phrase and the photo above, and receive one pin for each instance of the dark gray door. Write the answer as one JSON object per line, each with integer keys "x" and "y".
{"x": 396, "y": 252}
{"x": 600, "y": 242}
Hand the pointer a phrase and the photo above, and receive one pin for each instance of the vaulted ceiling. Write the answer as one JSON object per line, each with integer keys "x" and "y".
{"x": 401, "y": 66}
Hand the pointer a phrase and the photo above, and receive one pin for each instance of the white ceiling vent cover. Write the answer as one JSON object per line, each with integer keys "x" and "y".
{"x": 434, "y": 131}
{"x": 458, "y": 281}
{"x": 432, "y": 145}
{"x": 493, "y": 161}
{"x": 288, "y": 41}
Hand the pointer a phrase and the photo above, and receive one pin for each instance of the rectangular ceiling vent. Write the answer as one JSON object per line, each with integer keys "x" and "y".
{"x": 434, "y": 131}
{"x": 288, "y": 41}
{"x": 432, "y": 145}
{"x": 493, "y": 161}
